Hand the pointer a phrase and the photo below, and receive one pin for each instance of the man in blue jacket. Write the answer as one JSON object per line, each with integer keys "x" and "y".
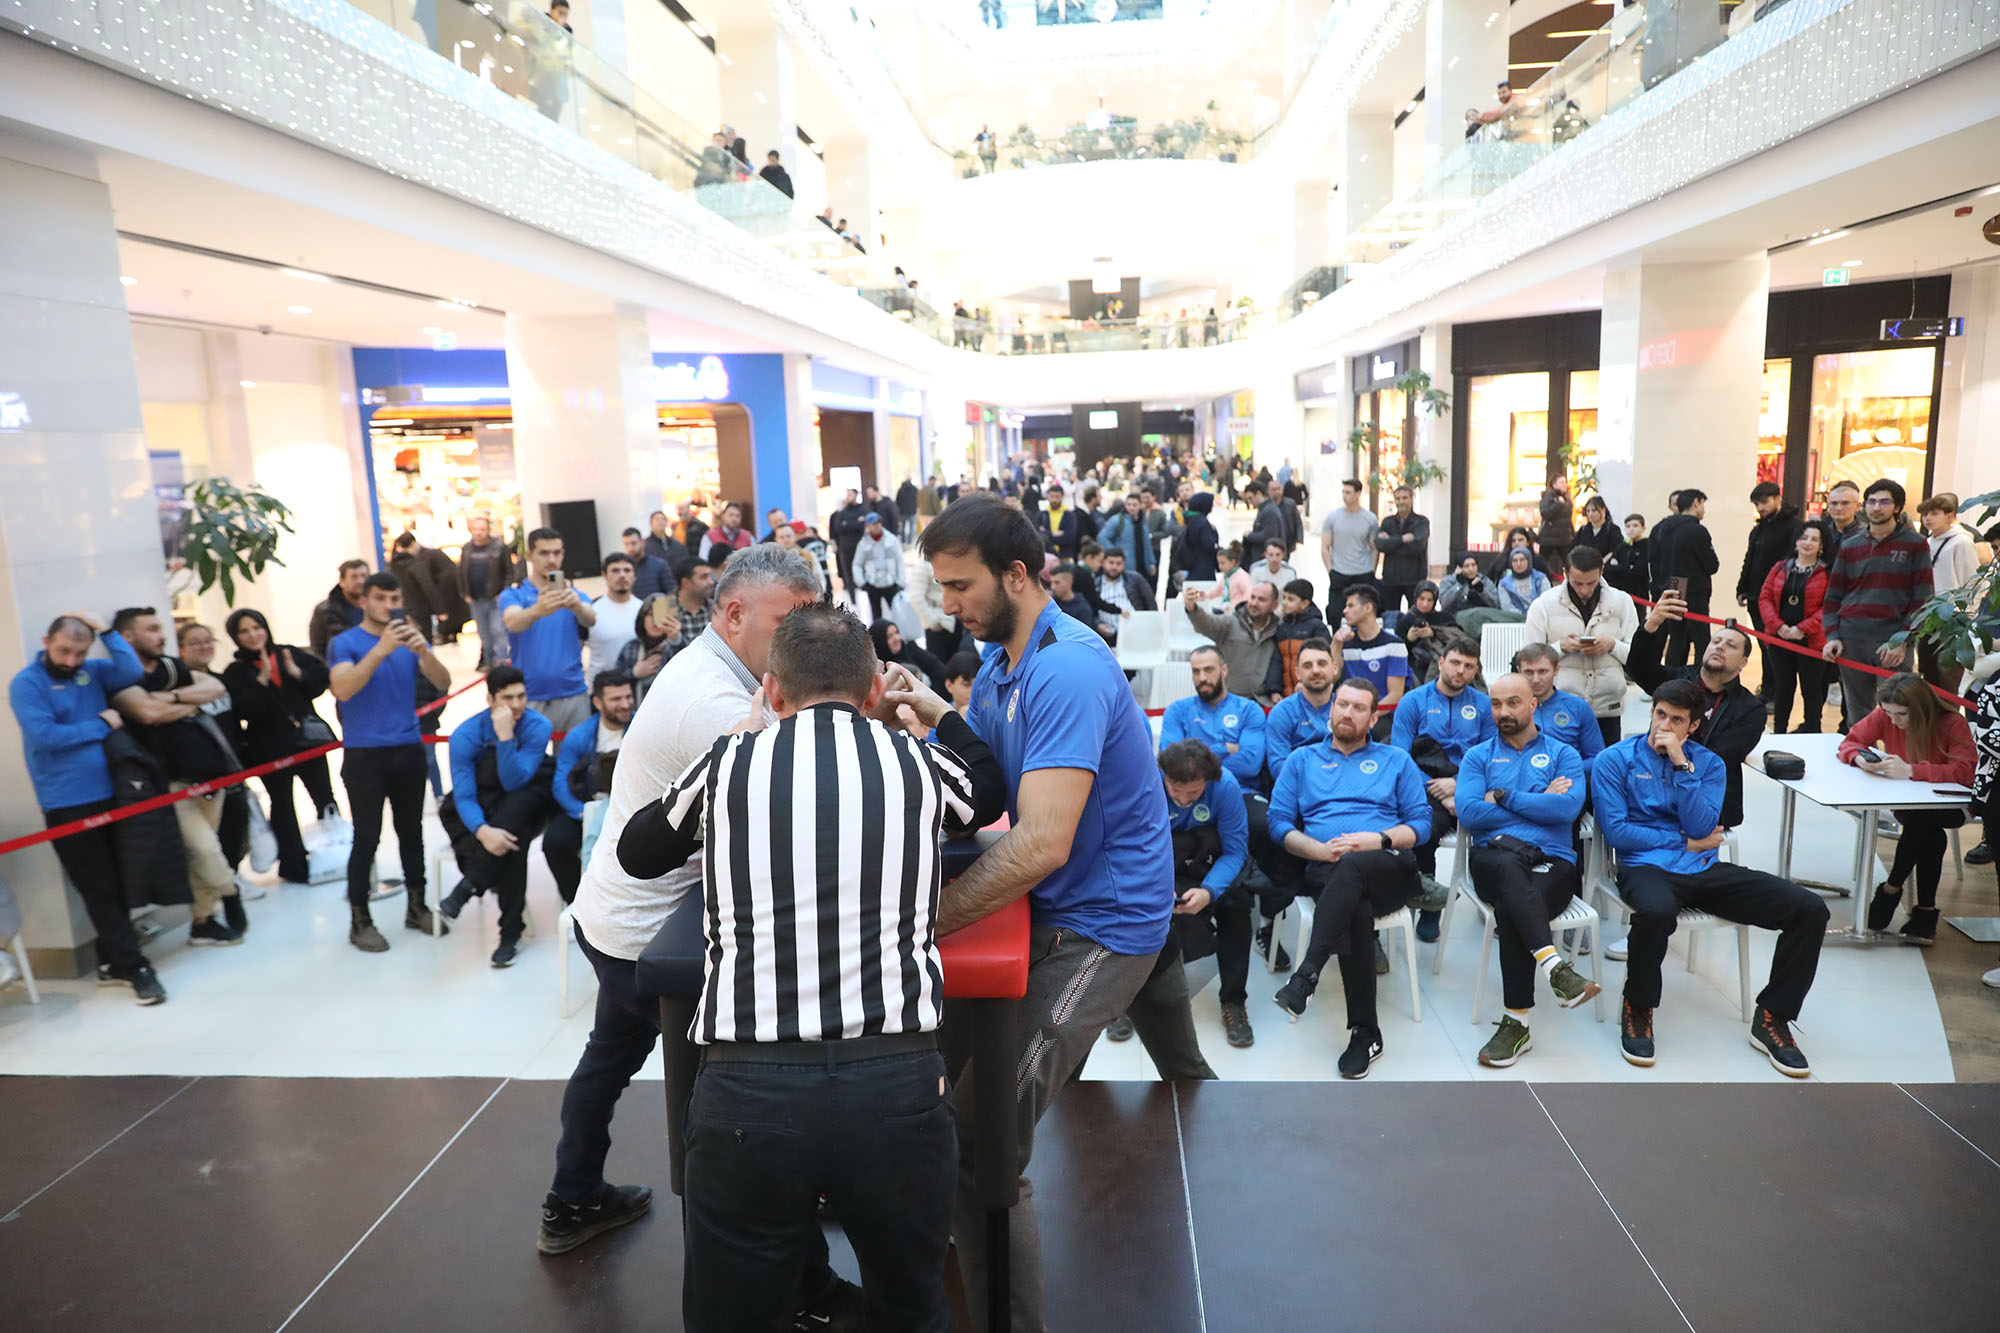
{"x": 1228, "y": 724}
{"x": 1560, "y": 714}
{"x": 499, "y": 802}
{"x": 1659, "y": 801}
{"x": 583, "y": 772}
{"x": 1211, "y": 833}
{"x": 1522, "y": 794}
{"x": 1301, "y": 718}
{"x": 1437, "y": 723}
{"x": 62, "y": 701}
{"x": 1352, "y": 809}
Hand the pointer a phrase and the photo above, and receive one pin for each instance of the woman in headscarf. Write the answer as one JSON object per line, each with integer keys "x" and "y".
{"x": 891, "y": 646}
{"x": 271, "y": 689}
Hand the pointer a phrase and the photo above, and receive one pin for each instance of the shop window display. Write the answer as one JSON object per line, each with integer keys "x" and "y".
{"x": 437, "y": 467}
{"x": 1507, "y": 459}
{"x": 1871, "y": 417}
{"x": 1582, "y": 427}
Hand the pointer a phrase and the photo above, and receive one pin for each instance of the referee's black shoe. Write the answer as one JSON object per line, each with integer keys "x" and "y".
{"x": 566, "y": 1225}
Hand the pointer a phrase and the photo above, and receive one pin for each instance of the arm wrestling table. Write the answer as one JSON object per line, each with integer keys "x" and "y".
{"x": 985, "y": 966}
{"x": 1839, "y": 786}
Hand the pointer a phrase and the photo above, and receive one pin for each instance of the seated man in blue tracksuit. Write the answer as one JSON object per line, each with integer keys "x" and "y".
{"x": 1558, "y": 713}
{"x": 499, "y": 801}
{"x": 1437, "y": 723}
{"x": 1301, "y": 717}
{"x": 1522, "y": 793}
{"x": 1659, "y": 802}
{"x": 1205, "y": 811}
{"x": 1352, "y": 809}
{"x": 584, "y": 763}
{"x": 1229, "y": 724}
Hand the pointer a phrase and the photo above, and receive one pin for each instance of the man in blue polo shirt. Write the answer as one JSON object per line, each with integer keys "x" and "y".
{"x": 1229, "y": 724}
{"x": 1563, "y": 715}
{"x": 372, "y": 675}
{"x": 499, "y": 801}
{"x": 1523, "y": 791}
{"x": 62, "y": 701}
{"x": 547, "y": 622}
{"x": 1301, "y": 717}
{"x": 1088, "y": 846}
{"x": 1437, "y": 723}
{"x": 584, "y": 765}
{"x": 1352, "y": 809}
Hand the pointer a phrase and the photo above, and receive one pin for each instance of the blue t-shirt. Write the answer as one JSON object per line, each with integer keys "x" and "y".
{"x": 1068, "y": 705}
{"x": 1569, "y": 719}
{"x": 1456, "y": 723}
{"x": 1378, "y": 660}
{"x": 384, "y": 711}
{"x": 1230, "y": 720}
{"x": 1293, "y": 722}
{"x": 1323, "y": 793}
{"x": 1220, "y": 807}
{"x": 1524, "y": 809}
{"x": 550, "y": 651}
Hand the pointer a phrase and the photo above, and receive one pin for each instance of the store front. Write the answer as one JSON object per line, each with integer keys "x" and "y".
{"x": 1510, "y": 380}
{"x": 1386, "y": 418}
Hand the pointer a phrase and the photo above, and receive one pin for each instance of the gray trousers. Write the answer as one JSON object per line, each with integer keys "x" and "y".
{"x": 1075, "y": 987}
{"x": 493, "y": 648}
{"x": 564, "y": 714}
{"x": 1857, "y": 688}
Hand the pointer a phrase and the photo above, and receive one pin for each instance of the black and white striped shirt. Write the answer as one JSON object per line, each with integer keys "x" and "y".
{"x": 821, "y": 875}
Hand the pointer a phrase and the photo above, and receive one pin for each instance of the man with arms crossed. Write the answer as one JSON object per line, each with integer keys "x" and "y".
{"x": 1094, "y": 857}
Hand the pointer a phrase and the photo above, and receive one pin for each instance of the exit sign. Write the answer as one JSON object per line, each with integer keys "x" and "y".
{"x": 1833, "y": 277}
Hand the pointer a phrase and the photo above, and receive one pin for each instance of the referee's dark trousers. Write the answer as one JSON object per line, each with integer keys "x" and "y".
{"x": 865, "y": 1121}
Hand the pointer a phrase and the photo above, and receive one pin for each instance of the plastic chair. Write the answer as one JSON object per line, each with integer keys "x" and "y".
{"x": 1578, "y": 917}
{"x": 1688, "y": 923}
{"x": 18, "y": 946}
{"x": 1142, "y": 641}
{"x": 438, "y": 855}
{"x": 1166, "y": 571}
{"x": 1182, "y": 637}
{"x": 1497, "y": 646}
{"x": 1403, "y": 919}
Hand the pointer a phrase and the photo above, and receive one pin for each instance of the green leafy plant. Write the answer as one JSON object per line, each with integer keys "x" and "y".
{"x": 1417, "y": 473}
{"x": 1431, "y": 401}
{"x": 1582, "y": 473}
{"x": 1961, "y": 623}
{"x": 232, "y": 531}
{"x": 1361, "y": 443}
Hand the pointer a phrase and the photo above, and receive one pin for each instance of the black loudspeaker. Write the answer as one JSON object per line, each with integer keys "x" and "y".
{"x": 576, "y": 520}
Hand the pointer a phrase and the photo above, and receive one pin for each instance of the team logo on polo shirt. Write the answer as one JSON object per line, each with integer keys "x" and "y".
{"x": 1013, "y": 702}
{"x": 83, "y": 678}
{"x": 1540, "y": 761}
{"x": 1229, "y": 721}
{"x": 1201, "y": 812}
{"x": 1369, "y": 765}
{"x": 1562, "y": 719}
{"x": 1468, "y": 712}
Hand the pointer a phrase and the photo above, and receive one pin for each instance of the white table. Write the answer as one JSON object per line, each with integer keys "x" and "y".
{"x": 1838, "y": 786}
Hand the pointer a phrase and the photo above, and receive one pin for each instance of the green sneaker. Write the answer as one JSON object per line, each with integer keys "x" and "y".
{"x": 1435, "y": 896}
{"x": 1509, "y": 1044}
{"x": 1572, "y": 988}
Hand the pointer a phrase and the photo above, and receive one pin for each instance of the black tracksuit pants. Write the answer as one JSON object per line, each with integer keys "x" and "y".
{"x": 1525, "y": 897}
{"x": 1734, "y": 893}
{"x": 1349, "y": 894}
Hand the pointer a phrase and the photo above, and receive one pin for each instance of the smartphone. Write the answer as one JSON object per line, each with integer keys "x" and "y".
{"x": 1678, "y": 585}
{"x": 1588, "y": 640}
{"x": 399, "y": 615}
{"x": 556, "y": 579}
{"x": 1869, "y": 753}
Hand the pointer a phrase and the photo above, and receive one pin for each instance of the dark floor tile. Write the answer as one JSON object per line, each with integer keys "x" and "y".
{"x": 226, "y": 1207}
{"x": 54, "y": 1123}
{"x": 459, "y": 1251}
{"x": 1111, "y": 1206}
{"x": 1385, "y": 1206}
{"x": 1973, "y": 1109}
{"x": 1816, "y": 1206}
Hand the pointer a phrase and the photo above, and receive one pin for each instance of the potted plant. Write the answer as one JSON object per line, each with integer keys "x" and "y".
{"x": 1963, "y": 623}
{"x": 1417, "y": 384}
{"x": 231, "y": 531}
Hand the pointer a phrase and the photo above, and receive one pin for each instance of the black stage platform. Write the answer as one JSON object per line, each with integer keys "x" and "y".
{"x": 342, "y": 1204}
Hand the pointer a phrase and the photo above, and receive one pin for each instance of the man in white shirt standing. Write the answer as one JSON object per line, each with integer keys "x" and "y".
{"x": 617, "y": 613}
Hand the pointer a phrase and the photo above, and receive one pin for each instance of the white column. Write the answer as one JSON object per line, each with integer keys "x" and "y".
{"x": 79, "y": 528}
{"x": 1680, "y": 377}
{"x": 1968, "y": 427}
{"x": 585, "y": 421}
{"x": 1279, "y": 430}
{"x": 805, "y": 461}
{"x": 850, "y": 191}
{"x": 1367, "y": 173}
{"x": 1434, "y": 440}
{"x": 1465, "y": 55}
{"x": 758, "y": 92}
{"x": 601, "y": 25}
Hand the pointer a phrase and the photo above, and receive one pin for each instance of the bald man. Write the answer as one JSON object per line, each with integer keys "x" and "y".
{"x": 1519, "y": 796}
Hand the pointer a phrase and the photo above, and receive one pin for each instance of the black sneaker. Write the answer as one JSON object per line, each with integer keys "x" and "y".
{"x": 1773, "y": 1036}
{"x": 504, "y": 955}
{"x": 839, "y": 1309}
{"x": 1363, "y": 1049}
{"x": 1635, "y": 1036}
{"x": 1882, "y": 907}
{"x": 454, "y": 902}
{"x": 214, "y": 932}
{"x": 1236, "y": 1026}
{"x": 1292, "y": 996}
{"x": 1427, "y": 926}
{"x": 1921, "y": 928}
{"x": 1284, "y": 960}
{"x": 146, "y": 987}
{"x": 419, "y": 918}
{"x": 1982, "y": 855}
{"x": 363, "y": 936}
{"x": 233, "y": 913}
{"x": 566, "y": 1226}
{"x": 1118, "y": 1029}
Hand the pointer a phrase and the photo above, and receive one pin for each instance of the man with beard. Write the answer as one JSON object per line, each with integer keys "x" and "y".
{"x": 584, "y": 764}
{"x": 1353, "y": 810}
{"x": 1088, "y": 844}
{"x": 1437, "y": 723}
{"x": 1301, "y": 718}
{"x": 1523, "y": 793}
{"x": 1229, "y": 724}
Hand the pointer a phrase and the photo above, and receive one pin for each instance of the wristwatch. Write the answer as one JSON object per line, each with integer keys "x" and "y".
{"x": 1685, "y": 766}
{"x": 1388, "y": 844}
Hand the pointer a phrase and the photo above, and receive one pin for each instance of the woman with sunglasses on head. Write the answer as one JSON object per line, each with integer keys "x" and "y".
{"x": 1916, "y": 737}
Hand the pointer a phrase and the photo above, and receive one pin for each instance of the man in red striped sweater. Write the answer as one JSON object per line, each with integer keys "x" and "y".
{"x": 1876, "y": 583}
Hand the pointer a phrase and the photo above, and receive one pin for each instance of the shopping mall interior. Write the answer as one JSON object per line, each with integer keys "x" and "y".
{"x": 399, "y": 267}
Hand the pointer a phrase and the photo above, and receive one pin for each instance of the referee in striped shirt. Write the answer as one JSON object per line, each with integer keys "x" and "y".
{"x": 822, "y": 986}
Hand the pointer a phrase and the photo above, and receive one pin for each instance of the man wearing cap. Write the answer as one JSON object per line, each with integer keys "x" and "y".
{"x": 878, "y": 567}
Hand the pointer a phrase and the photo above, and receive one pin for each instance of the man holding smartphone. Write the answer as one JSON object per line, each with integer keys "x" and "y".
{"x": 547, "y": 622}
{"x": 373, "y": 676}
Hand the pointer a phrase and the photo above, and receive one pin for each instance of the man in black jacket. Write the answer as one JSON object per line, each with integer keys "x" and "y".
{"x": 1404, "y": 540}
{"x": 1771, "y": 542}
{"x": 341, "y": 611}
{"x": 873, "y": 501}
{"x": 774, "y": 172}
{"x": 1682, "y": 549}
{"x": 1269, "y": 524}
{"x": 846, "y": 527}
{"x": 1733, "y": 719}
{"x": 430, "y": 588}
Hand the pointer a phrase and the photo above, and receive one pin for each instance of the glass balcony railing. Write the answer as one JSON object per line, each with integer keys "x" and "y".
{"x": 1107, "y": 138}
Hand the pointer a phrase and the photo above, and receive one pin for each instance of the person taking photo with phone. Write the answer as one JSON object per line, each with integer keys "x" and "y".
{"x": 1909, "y": 734}
{"x": 547, "y": 623}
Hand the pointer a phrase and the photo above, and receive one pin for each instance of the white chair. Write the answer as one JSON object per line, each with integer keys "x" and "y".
{"x": 439, "y": 853}
{"x": 1165, "y": 572}
{"x": 1142, "y": 641}
{"x": 18, "y": 946}
{"x": 1690, "y": 924}
{"x": 1182, "y": 637}
{"x": 1497, "y": 646}
{"x": 1166, "y": 683}
{"x": 1579, "y": 917}
{"x": 1403, "y": 919}
{"x": 565, "y": 933}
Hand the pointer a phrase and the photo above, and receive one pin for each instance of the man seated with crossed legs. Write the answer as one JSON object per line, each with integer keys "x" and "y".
{"x": 1519, "y": 797}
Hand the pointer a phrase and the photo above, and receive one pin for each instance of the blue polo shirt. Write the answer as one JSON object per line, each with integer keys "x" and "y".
{"x": 1293, "y": 721}
{"x": 1220, "y": 807}
{"x": 384, "y": 711}
{"x": 1523, "y": 807}
{"x": 1230, "y": 720}
{"x": 1068, "y": 705}
{"x": 1648, "y": 809}
{"x": 1456, "y": 722}
{"x": 518, "y": 760}
{"x": 62, "y": 736}
{"x": 1323, "y": 793}
{"x": 550, "y": 651}
{"x": 1569, "y": 719}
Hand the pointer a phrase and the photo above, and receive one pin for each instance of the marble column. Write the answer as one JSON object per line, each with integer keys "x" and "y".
{"x": 1367, "y": 174}
{"x": 1465, "y": 56}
